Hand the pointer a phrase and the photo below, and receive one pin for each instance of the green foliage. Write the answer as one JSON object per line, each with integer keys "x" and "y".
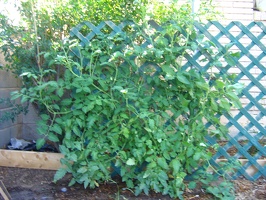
{"x": 132, "y": 107}
{"x": 215, "y": 179}
{"x": 121, "y": 104}
{"x": 45, "y": 22}
{"x": 15, "y": 109}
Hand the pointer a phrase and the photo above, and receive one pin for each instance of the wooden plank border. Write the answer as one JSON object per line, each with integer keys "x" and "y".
{"x": 30, "y": 159}
{"x": 51, "y": 161}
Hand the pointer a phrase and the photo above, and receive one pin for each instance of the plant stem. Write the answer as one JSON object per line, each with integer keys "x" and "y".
{"x": 36, "y": 36}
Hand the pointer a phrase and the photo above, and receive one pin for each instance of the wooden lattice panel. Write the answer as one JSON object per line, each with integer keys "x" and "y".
{"x": 246, "y": 142}
{"x": 250, "y": 69}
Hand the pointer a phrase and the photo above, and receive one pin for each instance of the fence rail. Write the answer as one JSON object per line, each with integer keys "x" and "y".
{"x": 247, "y": 129}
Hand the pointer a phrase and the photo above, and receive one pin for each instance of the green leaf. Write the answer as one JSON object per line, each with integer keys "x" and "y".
{"x": 190, "y": 151}
{"x": 79, "y": 122}
{"x": 117, "y": 87}
{"x": 197, "y": 156}
{"x": 125, "y": 132}
{"x": 76, "y": 130}
{"x": 60, "y": 174}
{"x": 124, "y": 115}
{"x": 151, "y": 123}
{"x": 214, "y": 105}
{"x": 192, "y": 185}
{"x": 63, "y": 149}
{"x": 219, "y": 84}
{"x": 176, "y": 165}
{"x": 148, "y": 129}
{"x": 146, "y": 174}
{"x": 238, "y": 87}
{"x": 24, "y": 99}
{"x": 56, "y": 107}
{"x": 86, "y": 89}
{"x": 98, "y": 102}
{"x": 66, "y": 102}
{"x": 168, "y": 69}
{"x": 72, "y": 182}
{"x": 15, "y": 95}
{"x": 53, "y": 84}
{"x": 225, "y": 104}
{"x": 82, "y": 170}
{"x": 60, "y": 92}
{"x": 182, "y": 78}
{"x": 79, "y": 90}
{"x": 229, "y": 59}
{"x": 236, "y": 54}
{"x": 72, "y": 157}
{"x": 162, "y": 163}
{"x": 45, "y": 117}
{"x": 130, "y": 183}
{"x": 86, "y": 182}
{"x": 68, "y": 134}
{"x": 40, "y": 142}
{"x": 166, "y": 155}
{"x": 237, "y": 103}
{"x": 53, "y": 137}
{"x": 131, "y": 162}
{"x": 202, "y": 85}
{"x": 151, "y": 165}
{"x": 229, "y": 45}
{"x": 163, "y": 175}
{"x": 56, "y": 128}
{"x": 87, "y": 108}
{"x": 232, "y": 96}
{"x": 24, "y": 74}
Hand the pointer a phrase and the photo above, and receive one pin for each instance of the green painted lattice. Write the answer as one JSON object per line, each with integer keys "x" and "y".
{"x": 242, "y": 140}
{"x": 246, "y": 43}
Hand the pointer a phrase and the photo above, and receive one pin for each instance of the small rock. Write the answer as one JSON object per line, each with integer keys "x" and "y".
{"x": 63, "y": 189}
{"x": 260, "y": 194}
{"x": 46, "y": 198}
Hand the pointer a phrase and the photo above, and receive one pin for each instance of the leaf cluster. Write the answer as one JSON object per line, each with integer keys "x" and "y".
{"x": 14, "y": 110}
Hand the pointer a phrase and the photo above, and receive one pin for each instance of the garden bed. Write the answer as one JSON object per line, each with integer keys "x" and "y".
{"x": 25, "y": 184}
{"x": 36, "y": 181}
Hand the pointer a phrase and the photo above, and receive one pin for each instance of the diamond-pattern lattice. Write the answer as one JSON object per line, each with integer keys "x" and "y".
{"x": 249, "y": 122}
{"x": 247, "y": 138}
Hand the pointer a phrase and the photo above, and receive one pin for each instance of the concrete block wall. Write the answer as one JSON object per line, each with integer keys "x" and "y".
{"x": 29, "y": 124}
{"x": 8, "y": 129}
{"x": 24, "y": 127}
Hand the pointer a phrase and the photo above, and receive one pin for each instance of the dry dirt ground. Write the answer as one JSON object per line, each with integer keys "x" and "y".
{"x": 30, "y": 184}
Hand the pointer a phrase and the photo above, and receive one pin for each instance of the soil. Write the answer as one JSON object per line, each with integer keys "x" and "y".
{"x": 31, "y": 184}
